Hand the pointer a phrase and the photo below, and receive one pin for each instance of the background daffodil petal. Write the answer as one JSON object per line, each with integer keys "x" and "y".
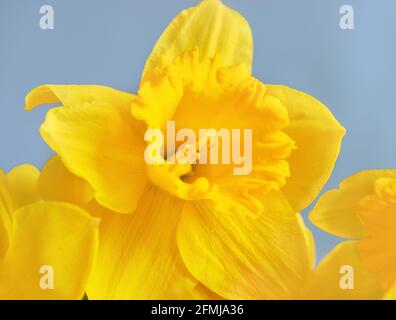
{"x": 240, "y": 256}
{"x": 138, "y": 255}
{"x": 335, "y": 212}
{"x": 318, "y": 137}
{"x": 22, "y": 181}
{"x": 56, "y": 183}
{"x": 7, "y": 207}
{"x": 377, "y": 249}
{"x": 326, "y": 280}
{"x": 58, "y": 235}
{"x": 212, "y": 27}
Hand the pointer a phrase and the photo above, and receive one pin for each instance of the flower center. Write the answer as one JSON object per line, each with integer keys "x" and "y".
{"x": 212, "y": 129}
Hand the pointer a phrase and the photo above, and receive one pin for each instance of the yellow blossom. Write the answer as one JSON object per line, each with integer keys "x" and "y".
{"x": 364, "y": 208}
{"x": 176, "y": 230}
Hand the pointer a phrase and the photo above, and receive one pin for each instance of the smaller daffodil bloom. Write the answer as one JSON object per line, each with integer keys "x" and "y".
{"x": 169, "y": 229}
{"x": 47, "y": 249}
{"x": 364, "y": 208}
{"x": 342, "y": 275}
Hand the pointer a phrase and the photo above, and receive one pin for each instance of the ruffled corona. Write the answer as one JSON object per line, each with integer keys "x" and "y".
{"x": 196, "y": 93}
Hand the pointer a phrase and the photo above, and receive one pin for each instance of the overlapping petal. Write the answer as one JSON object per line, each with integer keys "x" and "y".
{"x": 59, "y": 237}
{"x": 22, "y": 181}
{"x": 97, "y": 139}
{"x": 138, "y": 256}
{"x": 56, "y": 183}
{"x": 318, "y": 137}
{"x": 240, "y": 256}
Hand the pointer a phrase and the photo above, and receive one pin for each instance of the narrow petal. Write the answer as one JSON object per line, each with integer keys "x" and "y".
{"x": 310, "y": 241}
{"x": 97, "y": 139}
{"x": 7, "y": 207}
{"x": 336, "y": 210}
{"x": 212, "y": 27}
{"x": 329, "y": 280}
{"x": 239, "y": 256}
{"x": 318, "y": 137}
{"x": 138, "y": 256}
{"x": 72, "y": 95}
{"x": 22, "y": 181}
{"x": 56, "y": 183}
{"x": 49, "y": 239}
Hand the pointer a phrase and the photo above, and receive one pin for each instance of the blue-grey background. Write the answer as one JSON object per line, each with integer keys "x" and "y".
{"x": 298, "y": 43}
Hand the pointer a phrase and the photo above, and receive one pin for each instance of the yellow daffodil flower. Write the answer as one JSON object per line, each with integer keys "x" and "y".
{"x": 195, "y": 228}
{"x": 364, "y": 208}
{"x": 37, "y": 237}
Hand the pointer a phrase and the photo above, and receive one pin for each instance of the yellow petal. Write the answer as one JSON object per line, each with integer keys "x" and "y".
{"x": 212, "y": 27}
{"x": 138, "y": 257}
{"x": 101, "y": 143}
{"x": 56, "y": 183}
{"x": 200, "y": 292}
{"x": 343, "y": 275}
{"x": 239, "y": 256}
{"x": 22, "y": 181}
{"x": 310, "y": 241}
{"x": 336, "y": 210}
{"x": 72, "y": 95}
{"x": 318, "y": 137}
{"x": 49, "y": 239}
{"x": 7, "y": 207}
